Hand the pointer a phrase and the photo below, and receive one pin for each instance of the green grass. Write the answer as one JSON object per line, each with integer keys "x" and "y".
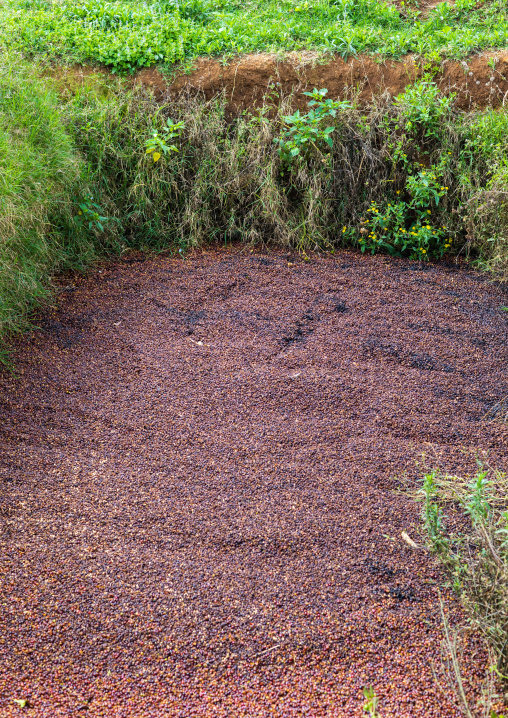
{"x": 38, "y": 170}
{"x": 41, "y": 183}
{"x": 126, "y": 35}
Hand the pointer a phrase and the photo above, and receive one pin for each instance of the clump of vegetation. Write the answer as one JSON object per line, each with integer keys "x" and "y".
{"x": 472, "y": 544}
{"x": 91, "y": 172}
{"x": 126, "y": 35}
{"x": 40, "y": 172}
{"x": 486, "y": 206}
{"x": 49, "y": 221}
{"x": 401, "y": 179}
{"x": 303, "y": 133}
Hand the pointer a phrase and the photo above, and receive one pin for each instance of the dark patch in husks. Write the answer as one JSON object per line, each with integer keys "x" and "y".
{"x": 302, "y": 329}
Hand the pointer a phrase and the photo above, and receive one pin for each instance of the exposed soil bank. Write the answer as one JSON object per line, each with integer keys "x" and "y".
{"x": 247, "y": 79}
{"x": 197, "y": 465}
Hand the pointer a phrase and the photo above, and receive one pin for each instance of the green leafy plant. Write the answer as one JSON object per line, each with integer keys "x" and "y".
{"x": 424, "y": 108}
{"x": 307, "y": 131}
{"x": 404, "y": 228}
{"x": 89, "y": 214}
{"x": 371, "y": 702}
{"x": 158, "y": 142}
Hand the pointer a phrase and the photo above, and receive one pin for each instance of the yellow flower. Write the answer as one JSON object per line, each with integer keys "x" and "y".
{"x": 429, "y": 212}
{"x": 398, "y": 191}
{"x": 423, "y": 251}
{"x": 428, "y": 226}
{"x": 343, "y": 229}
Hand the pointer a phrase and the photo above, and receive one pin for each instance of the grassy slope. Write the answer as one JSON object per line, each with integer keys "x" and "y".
{"x": 42, "y": 177}
{"x": 126, "y": 35}
{"x": 38, "y": 168}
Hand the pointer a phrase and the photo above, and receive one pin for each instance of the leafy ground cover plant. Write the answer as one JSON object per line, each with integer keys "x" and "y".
{"x": 158, "y": 142}
{"x": 403, "y": 228}
{"x": 125, "y": 35}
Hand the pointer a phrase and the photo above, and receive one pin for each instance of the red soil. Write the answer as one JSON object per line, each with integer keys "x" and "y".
{"x": 199, "y": 461}
{"x": 246, "y": 80}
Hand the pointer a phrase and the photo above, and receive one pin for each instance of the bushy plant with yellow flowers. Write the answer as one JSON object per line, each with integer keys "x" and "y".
{"x": 405, "y": 228}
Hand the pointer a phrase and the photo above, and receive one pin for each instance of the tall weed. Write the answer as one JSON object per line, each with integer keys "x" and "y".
{"x": 466, "y": 522}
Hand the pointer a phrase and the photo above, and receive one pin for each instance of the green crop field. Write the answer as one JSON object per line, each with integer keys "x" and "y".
{"x": 126, "y": 35}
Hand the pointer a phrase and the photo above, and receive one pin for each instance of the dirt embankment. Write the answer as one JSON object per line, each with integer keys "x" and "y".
{"x": 481, "y": 81}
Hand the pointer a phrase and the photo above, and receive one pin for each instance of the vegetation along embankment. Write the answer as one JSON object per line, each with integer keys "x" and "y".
{"x": 411, "y": 174}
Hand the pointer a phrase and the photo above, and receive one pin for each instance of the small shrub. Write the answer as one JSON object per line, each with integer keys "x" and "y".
{"x": 424, "y": 108}
{"x": 307, "y": 132}
{"x": 157, "y": 144}
{"x": 403, "y": 228}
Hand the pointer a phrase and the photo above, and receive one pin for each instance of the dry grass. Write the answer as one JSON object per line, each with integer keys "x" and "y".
{"x": 472, "y": 544}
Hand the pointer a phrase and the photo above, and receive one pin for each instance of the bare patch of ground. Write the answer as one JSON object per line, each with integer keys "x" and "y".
{"x": 246, "y": 80}
{"x": 200, "y": 461}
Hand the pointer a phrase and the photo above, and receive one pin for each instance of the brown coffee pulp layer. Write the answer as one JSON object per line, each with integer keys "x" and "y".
{"x": 206, "y": 466}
